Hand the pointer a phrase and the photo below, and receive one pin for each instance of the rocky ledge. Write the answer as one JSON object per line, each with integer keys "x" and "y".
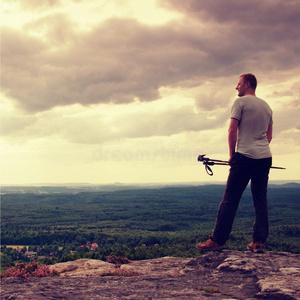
{"x": 216, "y": 275}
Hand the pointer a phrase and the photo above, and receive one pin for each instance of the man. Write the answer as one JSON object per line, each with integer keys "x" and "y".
{"x": 249, "y": 135}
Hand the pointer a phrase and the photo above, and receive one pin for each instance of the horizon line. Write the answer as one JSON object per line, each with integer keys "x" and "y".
{"x": 131, "y": 183}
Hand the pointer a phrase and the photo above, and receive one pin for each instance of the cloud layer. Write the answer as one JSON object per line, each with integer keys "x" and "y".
{"x": 114, "y": 73}
{"x": 49, "y": 62}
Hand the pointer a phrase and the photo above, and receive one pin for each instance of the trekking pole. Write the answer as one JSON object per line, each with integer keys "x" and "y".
{"x": 207, "y": 162}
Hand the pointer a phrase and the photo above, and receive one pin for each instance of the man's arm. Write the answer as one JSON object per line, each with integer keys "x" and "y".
{"x": 232, "y": 136}
{"x": 270, "y": 133}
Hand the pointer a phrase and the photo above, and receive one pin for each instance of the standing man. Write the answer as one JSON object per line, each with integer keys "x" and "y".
{"x": 249, "y": 135}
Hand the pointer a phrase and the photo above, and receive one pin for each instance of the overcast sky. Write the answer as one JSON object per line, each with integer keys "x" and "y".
{"x": 131, "y": 91}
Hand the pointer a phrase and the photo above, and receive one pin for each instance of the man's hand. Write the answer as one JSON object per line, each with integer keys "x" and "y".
{"x": 231, "y": 158}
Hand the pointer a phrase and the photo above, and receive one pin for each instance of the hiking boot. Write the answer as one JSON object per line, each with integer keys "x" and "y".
{"x": 209, "y": 245}
{"x": 257, "y": 247}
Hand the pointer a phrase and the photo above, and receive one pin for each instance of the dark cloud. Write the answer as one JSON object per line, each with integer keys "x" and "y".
{"x": 121, "y": 59}
{"x": 265, "y": 31}
{"x": 116, "y": 62}
{"x": 269, "y": 13}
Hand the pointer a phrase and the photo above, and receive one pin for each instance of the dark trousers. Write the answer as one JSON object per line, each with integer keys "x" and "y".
{"x": 244, "y": 169}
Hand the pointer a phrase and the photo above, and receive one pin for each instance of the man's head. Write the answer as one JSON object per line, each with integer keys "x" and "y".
{"x": 246, "y": 85}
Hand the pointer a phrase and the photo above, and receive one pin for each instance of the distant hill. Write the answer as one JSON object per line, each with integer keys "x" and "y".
{"x": 74, "y": 188}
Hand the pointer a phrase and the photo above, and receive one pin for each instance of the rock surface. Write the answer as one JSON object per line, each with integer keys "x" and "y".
{"x": 216, "y": 275}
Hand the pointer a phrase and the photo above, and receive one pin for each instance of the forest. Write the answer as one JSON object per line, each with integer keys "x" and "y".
{"x": 141, "y": 223}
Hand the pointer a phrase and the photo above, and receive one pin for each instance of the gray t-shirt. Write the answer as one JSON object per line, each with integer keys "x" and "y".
{"x": 255, "y": 116}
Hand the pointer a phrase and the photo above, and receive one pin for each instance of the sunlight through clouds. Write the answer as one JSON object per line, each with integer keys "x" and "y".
{"x": 132, "y": 91}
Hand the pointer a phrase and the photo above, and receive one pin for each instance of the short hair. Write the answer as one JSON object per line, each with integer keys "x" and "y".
{"x": 251, "y": 79}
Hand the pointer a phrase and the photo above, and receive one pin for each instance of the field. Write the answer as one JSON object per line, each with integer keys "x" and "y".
{"x": 16, "y": 247}
{"x": 138, "y": 223}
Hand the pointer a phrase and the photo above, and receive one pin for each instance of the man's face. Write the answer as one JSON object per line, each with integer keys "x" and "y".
{"x": 241, "y": 87}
